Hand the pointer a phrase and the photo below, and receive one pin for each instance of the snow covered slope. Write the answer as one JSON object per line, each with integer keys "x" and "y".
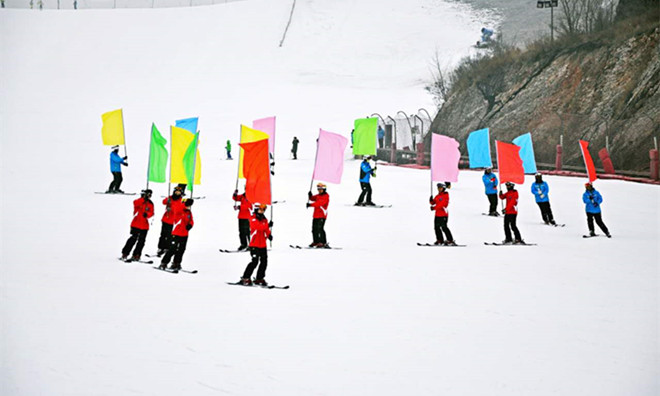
{"x": 380, "y": 317}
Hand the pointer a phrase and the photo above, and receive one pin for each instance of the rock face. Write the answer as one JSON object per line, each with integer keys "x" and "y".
{"x": 600, "y": 90}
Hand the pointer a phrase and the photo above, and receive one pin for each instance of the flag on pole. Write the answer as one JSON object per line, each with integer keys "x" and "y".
{"x": 190, "y": 162}
{"x": 364, "y": 136}
{"x": 157, "y": 157}
{"x": 180, "y": 163}
{"x": 445, "y": 156}
{"x": 588, "y": 162}
{"x": 189, "y": 124}
{"x": 248, "y": 135}
{"x": 329, "y": 164}
{"x": 256, "y": 168}
{"x": 266, "y": 125}
{"x": 509, "y": 163}
{"x": 526, "y": 152}
{"x": 112, "y": 131}
{"x": 478, "y": 145}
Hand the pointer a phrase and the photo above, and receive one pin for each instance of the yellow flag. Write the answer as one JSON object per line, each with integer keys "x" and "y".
{"x": 181, "y": 140}
{"x": 113, "y": 128}
{"x": 248, "y": 135}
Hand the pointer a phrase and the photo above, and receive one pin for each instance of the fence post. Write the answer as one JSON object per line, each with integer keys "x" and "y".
{"x": 558, "y": 157}
{"x": 655, "y": 172}
{"x": 393, "y": 152}
{"x": 420, "y": 154}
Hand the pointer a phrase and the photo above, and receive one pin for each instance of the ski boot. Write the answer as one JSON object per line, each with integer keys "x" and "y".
{"x": 507, "y": 242}
{"x": 450, "y": 243}
{"x": 260, "y": 282}
{"x": 518, "y": 242}
{"x": 124, "y": 257}
{"x": 246, "y": 282}
{"x": 439, "y": 243}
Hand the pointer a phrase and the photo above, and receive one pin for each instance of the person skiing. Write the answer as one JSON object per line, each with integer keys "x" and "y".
{"x": 228, "y": 148}
{"x": 244, "y": 216}
{"x": 490, "y": 183}
{"x": 182, "y": 224}
{"x": 173, "y": 207}
{"x": 143, "y": 210}
{"x": 366, "y": 171}
{"x": 115, "y": 168}
{"x": 259, "y": 232}
{"x": 486, "y": 35}
{"x": 320, "y": 204}
{"x": 592, "y": 200}
{"x": 510, "y": 214}
{"x": 540, "y": 190}
{"x": 294, "y": 147}
{"x": 439, "y": 203}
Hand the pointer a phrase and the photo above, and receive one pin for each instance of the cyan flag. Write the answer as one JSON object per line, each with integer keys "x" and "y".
{"x": 478, "y": 145}
{"x": 189, "y": 124}
{"x": 526, "y": 152}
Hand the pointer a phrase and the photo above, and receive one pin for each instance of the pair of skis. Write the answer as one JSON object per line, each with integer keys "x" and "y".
{"x": 434, "y": 245}
{"x": 314, "y": 247}
{"x": 158, "y": 268}
{"x": 239, "y": 283}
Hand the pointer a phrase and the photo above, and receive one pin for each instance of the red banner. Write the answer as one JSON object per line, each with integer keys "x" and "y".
{"x": 509, "y": 163}
{"x": 588, "y": 162}
{"x": 256, "y": 169}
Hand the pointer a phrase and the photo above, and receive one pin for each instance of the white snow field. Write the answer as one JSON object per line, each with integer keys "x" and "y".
{"x": 570, "y": 316}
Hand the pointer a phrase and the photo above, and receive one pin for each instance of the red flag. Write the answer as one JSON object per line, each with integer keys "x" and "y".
{"x": 509, "y": 163}
{"x": 256, "y": 169}
{"x": 588, "y": 162}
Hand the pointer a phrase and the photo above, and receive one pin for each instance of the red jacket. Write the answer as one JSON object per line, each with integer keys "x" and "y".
{"x": 142, "y": 207}
{"x": 320, "y": 204}
{"x": 173, "y": 207}
{"x": 259, "y": 232}
{"x": 511, "y": 197}
{"x": 440, "y": 203}
{"x": 244, "y": 209}
{"x": 182, "y": 222}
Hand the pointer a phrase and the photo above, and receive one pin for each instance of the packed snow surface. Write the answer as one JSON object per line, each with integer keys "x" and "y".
{"x": 382, "y": 316}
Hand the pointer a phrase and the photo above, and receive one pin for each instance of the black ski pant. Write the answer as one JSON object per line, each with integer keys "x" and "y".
{"x": 599, "y": 220}
{"x": 295, "y": 153}
{"x": 546, "y": 212}
{"x": 510, "y": 225}
{"x": 177, "y": 248}
{"x": 366, "y": 191}
{"x": 440, "y": 226}
{"x": 259, "y": 257}
{"x": 165, "y": 239}
{"x": 244, "y": 232}
{"x": 492, "y": 198}
{"x": 318, "y": 233}
{"x": 139, "y": 236}
{"x": 116, "y": 181}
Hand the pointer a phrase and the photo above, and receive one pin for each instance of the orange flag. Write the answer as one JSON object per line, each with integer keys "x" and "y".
{"x": 588, "y": 162}
{"x": 509, "y": 163}
{"x": 256, "y": 169}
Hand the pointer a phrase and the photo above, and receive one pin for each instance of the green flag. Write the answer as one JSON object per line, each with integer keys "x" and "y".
{"x": 189, "y": 161}
{"x": 364, "y": 136}
{"x": 157, "y": 156}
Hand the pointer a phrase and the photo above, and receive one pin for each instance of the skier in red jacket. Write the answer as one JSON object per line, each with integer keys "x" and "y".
{"x": 439, "y": 203}
{"x": 244, "y": 217}
{"x": 259, "y": 233}
{"x": 320, "y": 204}
{"x": 173, "y": 206}
{"x": 143, "y": 210}
{"x": 510, "y": 214}
{"x": 182, "y": 224}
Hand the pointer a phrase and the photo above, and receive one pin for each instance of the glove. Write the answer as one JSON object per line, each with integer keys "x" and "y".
{"x": 307, "y": 205}
{"x": 542, "y": 195}
{"x": 188, "y": 227}
{"x": 235, "y": 192}
{"x": 145, "y": 215}
{"x": 270, "y": 237}
{"x": 309, "y": 194}
{"x": 503, "y": 211}
{"x": 125, "y": 158}
{"x": 126, "y": 164}
{"x": 270, "y": 224}
{"x": 431, "y": 199}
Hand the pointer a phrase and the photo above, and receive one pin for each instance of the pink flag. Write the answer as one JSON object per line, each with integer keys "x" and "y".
{"x": 444, "y": 158}
{"x": 266, "y": 125}
{"x": 330, "y": 149}
{"x": 588, "y": 162}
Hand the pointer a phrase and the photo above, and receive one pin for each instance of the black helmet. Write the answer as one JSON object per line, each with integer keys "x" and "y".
{"x": 188, "y": 202}
{"x": 146, "y": 192}
{"x": 509, "y": 185}
{"x": 441, "y": 185}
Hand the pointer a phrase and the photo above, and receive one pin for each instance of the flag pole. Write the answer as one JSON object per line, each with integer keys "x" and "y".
{"x": 192, "y": 183}
{"x": 316, "y": 157}
{"x": 499, "y": 187}
{"x": 238, "y": 168}
{"x": 431, "y": 167}
{"x": 169, "y": 179}
{"x": 123, "y": 132}
{"x": 270, "y": 186}
{"x": 151, "y": 141}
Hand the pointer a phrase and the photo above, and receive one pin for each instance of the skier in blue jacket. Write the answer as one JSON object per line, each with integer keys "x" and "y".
{"x": 490, "y": 183}
{"x": 592, "y": 200}
{"x": 115, "y": 168}
{"x": 540, "y": 190}
{"x": 366, "y": 171}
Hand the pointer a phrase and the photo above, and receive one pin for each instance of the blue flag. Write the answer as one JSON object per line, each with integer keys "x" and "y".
{"x": 526, "y": 152}
{"x": 478, "y": 145}
{"x": 189, "y": 124}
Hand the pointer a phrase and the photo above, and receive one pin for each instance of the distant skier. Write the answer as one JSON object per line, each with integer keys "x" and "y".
{"x": 260, "y": 232}
{"x": 320, "y": 204}
{"x": 381, "y": 136}
{"x": 228, "y": 148}
{"x": 75, "y": 4}
{"x": 540, "y": 190}
{"x": 592, "y": 200}
{"x": 486, "y": 35}
{"x": 510, "y": 214}
{"x": 173, "y": 207}
{"x": 143, "y": 210}
{"x": 115, "y": 168}
{"x": 490, "y": 183}
{"x": 182, "y": 224}
{"x": 439, "y": 203}
{"x": 294, "y": 147}
{"x": 366, "y": 171}
{"x": 244, "y": 216}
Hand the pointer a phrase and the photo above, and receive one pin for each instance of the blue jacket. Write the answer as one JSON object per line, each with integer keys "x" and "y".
{"x": 540, "y": 191}
{"x": 116, "y": 162}
{"x": 490, "y": 182}
{"x": 592, "y": 200}
{"x": 365, "y": 172}
{"x": 381, "y": 133}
